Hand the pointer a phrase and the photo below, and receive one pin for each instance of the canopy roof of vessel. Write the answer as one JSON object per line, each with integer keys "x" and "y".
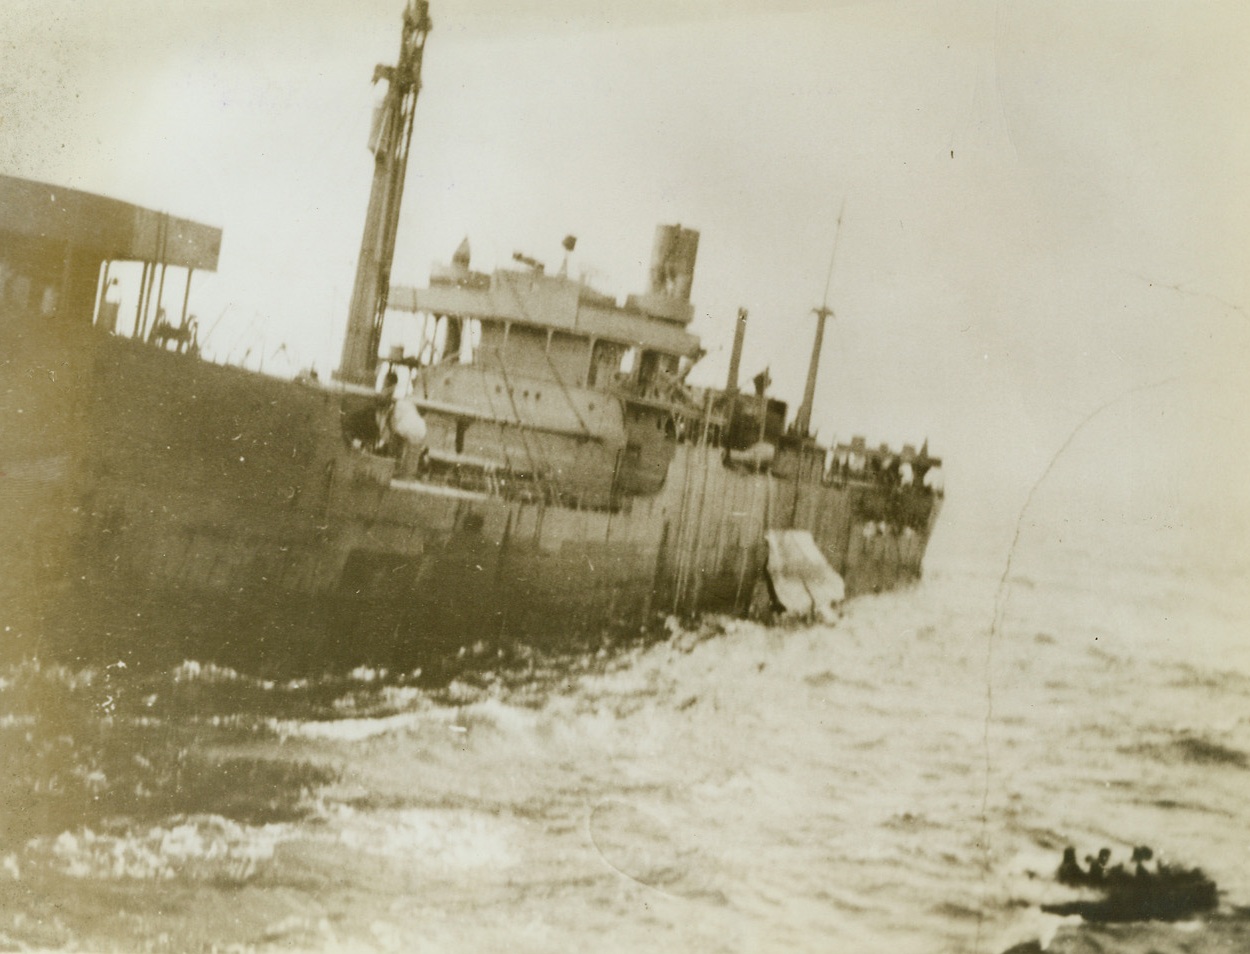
{"x": 106, "y": 228}
{"x": 546, "y": 301}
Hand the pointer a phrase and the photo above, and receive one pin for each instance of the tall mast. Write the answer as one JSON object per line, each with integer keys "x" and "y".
{"x": 392, "y": 133}
{"x": 803, "y": 420}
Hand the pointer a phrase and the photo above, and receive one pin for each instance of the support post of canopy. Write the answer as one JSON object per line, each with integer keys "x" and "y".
{"x": 163, "y": 240}
{"x": 102, "y": 290}
{"x": 143, "y": 281}
{"x": 186, "y": 297}
{"x": 147, "y": 301}
{"x": 160, "y": 296}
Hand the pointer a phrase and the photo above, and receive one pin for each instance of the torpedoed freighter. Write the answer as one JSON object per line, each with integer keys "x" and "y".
{"x": 537, "y": 467}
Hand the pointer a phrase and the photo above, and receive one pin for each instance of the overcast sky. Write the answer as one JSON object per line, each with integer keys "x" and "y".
{"x": 1046, "y": 210}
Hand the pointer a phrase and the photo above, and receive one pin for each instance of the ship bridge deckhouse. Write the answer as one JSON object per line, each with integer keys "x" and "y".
{"x": 552, "y": 327}
{"x": 543, "y": 374}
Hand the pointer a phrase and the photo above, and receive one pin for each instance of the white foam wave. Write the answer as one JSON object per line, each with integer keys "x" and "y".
{"x": 429, "y": 838}
{"x": 346, "y": 730}
{"x": 192, "y": 670}
{"x": 200, "y": 846}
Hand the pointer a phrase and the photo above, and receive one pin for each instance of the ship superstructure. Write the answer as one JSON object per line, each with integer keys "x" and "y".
{"x": 534, "y": 468}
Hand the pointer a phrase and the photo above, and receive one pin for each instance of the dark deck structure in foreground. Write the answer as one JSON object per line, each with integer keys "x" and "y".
{"x": 57, "y": 244}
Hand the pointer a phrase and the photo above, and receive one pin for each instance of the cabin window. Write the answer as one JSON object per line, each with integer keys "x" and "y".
{"x": 470, "y": 340}
{"x": 657, "y": 374}
{"x": 605, "y": 362}
{"x": 647, "y": 367}
{"x": 440, "y": 336}
{"x": 629, "y": 361}
{"x": 453, "y": 338}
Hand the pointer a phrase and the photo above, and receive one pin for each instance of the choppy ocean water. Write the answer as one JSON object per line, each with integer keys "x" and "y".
{"x": 905, "y": 780}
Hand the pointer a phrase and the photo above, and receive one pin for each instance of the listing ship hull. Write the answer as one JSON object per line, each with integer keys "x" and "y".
{"x": 537, "y": 469}
{"x": 155, "y": 507}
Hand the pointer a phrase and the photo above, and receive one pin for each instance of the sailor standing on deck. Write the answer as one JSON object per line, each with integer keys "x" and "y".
{"x": 382, "y": 412}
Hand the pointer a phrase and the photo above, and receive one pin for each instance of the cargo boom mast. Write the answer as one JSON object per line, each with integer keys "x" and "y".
{"x": 392, "y": 133}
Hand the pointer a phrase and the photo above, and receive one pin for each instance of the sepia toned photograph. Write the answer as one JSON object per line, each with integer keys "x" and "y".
{"x": 542, "y": 476}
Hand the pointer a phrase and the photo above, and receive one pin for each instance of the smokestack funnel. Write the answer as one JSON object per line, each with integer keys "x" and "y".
{"x": 672, "y": 261}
